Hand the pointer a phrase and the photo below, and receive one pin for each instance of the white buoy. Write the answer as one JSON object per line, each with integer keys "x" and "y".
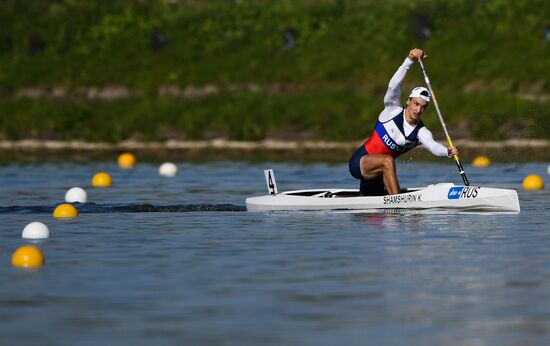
{"x": 168, "y": 169}
{"x": 549, "y": 169}
{"x": 36, "y": 230}
{"x": 76, "y": 194}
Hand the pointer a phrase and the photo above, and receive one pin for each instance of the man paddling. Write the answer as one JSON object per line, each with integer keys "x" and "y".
{"x": 397, "y": 130}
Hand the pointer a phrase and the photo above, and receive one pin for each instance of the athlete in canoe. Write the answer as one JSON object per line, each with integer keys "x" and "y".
{"x": 397, "y": 130}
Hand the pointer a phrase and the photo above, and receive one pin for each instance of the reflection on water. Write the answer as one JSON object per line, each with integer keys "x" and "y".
{"x": 178, "y": 261}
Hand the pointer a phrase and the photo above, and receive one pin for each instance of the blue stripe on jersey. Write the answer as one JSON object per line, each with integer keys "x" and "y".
{"x": 386, "y": 138}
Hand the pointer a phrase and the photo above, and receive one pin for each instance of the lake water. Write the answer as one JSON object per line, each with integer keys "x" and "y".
{"x": 179, "y": 261}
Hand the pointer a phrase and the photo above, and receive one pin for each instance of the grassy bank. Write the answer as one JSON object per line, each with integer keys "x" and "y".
{"x": 487, "y": 60}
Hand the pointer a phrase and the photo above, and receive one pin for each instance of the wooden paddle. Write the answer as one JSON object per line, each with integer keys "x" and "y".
{"x": 455, "y": 157}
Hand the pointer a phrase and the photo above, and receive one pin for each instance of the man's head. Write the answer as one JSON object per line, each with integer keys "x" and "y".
{"x": 417, "y": 102}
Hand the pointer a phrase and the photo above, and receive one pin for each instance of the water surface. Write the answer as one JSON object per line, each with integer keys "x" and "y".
{"x": 179, "y": 261}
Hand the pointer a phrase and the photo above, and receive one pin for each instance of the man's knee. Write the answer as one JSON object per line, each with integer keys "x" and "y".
{"x": 372, "y": 166}
{"x": 388, "y": 163}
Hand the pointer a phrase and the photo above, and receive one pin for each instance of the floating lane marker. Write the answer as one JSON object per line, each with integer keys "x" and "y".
{"x": 102, "y": 179}
{"x": 481, "y": 161}
{"x": 533, "y": 182}
{"x": 126, "y": 160}
{"x": 65, "y": 211}
{"x": 28, "y": 256}
{"x": 36, "y": 230}
{"x": 76, "y": 194}
{"x": 168, "y": 169}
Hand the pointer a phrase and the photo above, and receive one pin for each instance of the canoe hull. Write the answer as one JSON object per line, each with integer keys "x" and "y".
{"x": 438, "y": 196}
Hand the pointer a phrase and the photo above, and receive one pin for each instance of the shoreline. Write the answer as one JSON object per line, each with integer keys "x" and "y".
{"x": 511, "y": 150}
{"x": 222, "y": 144}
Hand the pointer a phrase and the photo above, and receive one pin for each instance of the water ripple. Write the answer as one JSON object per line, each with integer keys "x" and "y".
{"x": 93, "y": 208}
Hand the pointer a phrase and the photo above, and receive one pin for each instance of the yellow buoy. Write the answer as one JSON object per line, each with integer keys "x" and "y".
{"x": 27, "y": 256}
{"x": 65, "y": 211}
{"x": 533, "y": 182}
{"x": 126, "y": 160}
{"x": 481, "y": 161}
{"x": 102, "y": 179}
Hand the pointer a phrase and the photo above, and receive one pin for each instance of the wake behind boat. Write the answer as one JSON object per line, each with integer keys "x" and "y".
{"x": 437, "y": 196}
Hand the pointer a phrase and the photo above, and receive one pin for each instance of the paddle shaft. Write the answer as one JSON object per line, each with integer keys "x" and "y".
{"x": 455, "y": 157}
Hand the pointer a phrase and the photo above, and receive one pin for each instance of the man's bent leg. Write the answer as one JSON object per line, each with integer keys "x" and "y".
{"x": 374, "y": 165}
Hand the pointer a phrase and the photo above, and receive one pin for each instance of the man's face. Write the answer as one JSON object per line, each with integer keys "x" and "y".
{"x": 416, "y": 106}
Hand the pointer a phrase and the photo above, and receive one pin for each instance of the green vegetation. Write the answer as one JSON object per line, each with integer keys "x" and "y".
{"x": 113, "y": 70}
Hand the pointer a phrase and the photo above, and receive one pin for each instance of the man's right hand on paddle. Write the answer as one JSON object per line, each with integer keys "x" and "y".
{"x": 416, "y": 54}
{"x": 452, "y": 151}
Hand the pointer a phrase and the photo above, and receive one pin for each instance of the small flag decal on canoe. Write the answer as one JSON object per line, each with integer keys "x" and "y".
{"x": 454, "y": 192}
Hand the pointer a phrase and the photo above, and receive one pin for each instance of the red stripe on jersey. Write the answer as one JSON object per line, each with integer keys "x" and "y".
{"x": 375, "y": 145}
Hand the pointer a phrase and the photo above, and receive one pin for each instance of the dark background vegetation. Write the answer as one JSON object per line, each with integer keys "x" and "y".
{"x": 249, "y": 70}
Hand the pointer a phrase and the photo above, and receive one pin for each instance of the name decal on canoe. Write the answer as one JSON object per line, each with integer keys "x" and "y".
{"x": 463, "y": 192}
{"x": 396, "y": 199}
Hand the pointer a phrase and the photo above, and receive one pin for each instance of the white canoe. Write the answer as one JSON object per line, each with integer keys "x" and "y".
{"x": 445, "y": 196}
